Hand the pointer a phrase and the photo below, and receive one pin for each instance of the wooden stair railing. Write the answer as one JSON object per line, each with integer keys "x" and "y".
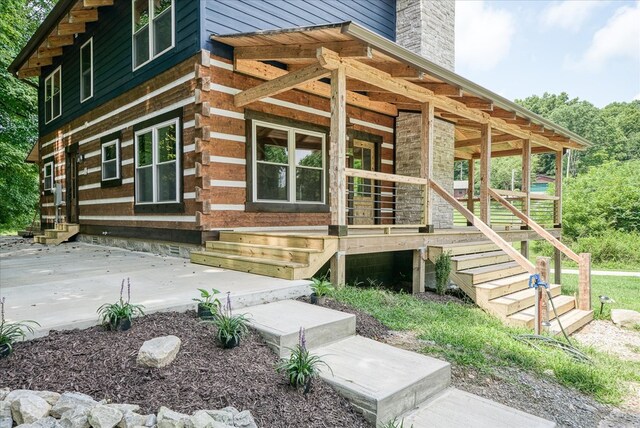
{"x": 484, "y": 228}
{"x": 583, "y": 259}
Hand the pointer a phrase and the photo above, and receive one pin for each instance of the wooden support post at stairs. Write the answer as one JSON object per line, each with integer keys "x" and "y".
{"x": 584, "y": 282}
{"x": 419, "y": 270}
{"x": 557, "y": 266}
{"x": 526, "y": 188}
{"x": 337, "y": 267}
{"x": 338, "y": 152}
{"x": 426, "y": 163}
{"x": 542, "y": 303}
{"x": 471, "y": 188}
{"x": 485, "y": 173}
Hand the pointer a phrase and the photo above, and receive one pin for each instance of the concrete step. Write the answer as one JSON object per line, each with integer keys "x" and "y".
{"x": 279, "y": 323}
{"x": 284, "y": 240}
{"x": 259, "y": 266}
{"x": 515, "y": 302}
{"x": 469, "y": 261}
{"x": 526, "y": 317}
{"x": 493, "y": 272}
{"x": 380, "y": 381}
{"x": 454, "y": 408}
{"x": 293, "y": 254}
{"x": 503, "y": 286}
{"x": 461, "y": 249}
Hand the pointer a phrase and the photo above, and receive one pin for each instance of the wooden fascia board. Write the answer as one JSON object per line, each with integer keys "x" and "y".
{"x": 349, "y": 49}
{"x": 268, "y": 72}
{"x": 281, "y": 84}
{"x": 471, "y": 142}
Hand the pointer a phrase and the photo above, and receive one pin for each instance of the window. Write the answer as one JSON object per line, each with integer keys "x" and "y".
{"x": 288, "y": 164}
{"x": 111, "y": 160}
{"x": 86, "y": 70}
{"x": 153, "y": 29}
{"x": 53, "y": 95}
{"x": 158, "y": 163}
{"x": 48, "y": 176}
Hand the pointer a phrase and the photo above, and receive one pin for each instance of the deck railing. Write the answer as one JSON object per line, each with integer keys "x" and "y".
{"x": 541, "y": 209}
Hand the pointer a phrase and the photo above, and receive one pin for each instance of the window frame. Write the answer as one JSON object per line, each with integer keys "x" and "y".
{"x": 292, "y": 127}
{"x": 153, "y": 125}
{"x": 107, "y": 140}
{"x": 44, "y": 176}
{"x": 47, "y": 79}
{"x": 151, "y": 28}
{"x": 91, "y": 67}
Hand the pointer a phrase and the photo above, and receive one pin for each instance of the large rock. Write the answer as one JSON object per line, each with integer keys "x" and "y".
{"x": 48, "y": 396}
{"x": 72, "y": 400}
{"x": 167, "y": 418}
{"x": 124, "y": 407}
{"x": 77, "y": 417}
{"x": 159, "y": 352}
{"x": 48, "y": 422}
{"x": 244, "y": 420}
{"x": 625, "y": 317}
{"x": 104, "y": 417}
{"x": 6, "y": 420}
{"x": 29, "y": 409}
{"x": 200, "y": 419}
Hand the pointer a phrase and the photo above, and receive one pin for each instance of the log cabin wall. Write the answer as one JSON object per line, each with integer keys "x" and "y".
{"x": 223, "y": 146}
{"x": 110, "y": 210}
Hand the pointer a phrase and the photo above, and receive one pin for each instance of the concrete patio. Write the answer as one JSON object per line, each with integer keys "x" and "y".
{"x": 62, "y": 286}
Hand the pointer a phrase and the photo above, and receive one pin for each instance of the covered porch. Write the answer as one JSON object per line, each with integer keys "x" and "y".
{"x": 373, "y": 211}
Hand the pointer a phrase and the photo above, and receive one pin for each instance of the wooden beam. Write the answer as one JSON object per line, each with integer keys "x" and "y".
{"x": 584, "y": 282}
{"x": 96, "y": 3}
{"x": 475, "y": 102}
{"x": 83, "y": 15}
{"x": 280, "y": 84}
{"x": 526, "y": 188}
{"x": 55, "y": 41}
{"x": 23, "y": 73}
{"x": 338, "y": 148}
{"x": 442, "y": 89}
{"x": 470, "y": 142}
{"x": 485, "y": 173}
{"x": 34, "y": 61}
{"x": 301, "y": 51}
{"x": 558, "y": 190}
{"x": 520, "y": 121}
{"x": 514, "y": 152}
{"x": 44, "y": 52}
{"x": 426, "y": 160}
{"x": 338, "y": 269}
{"x": 471, "y": 186}
{"x": 503, "y": 114}
{"x": 392, "y": 98}
{"x": 269, "y": 72}
{"x": 419, "y": 271}
{"x": 70, "y": 28}
{"x": 459, "y": 154}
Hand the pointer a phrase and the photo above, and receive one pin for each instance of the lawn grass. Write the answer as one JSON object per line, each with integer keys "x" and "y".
{"x": 624, "y": 290}
{"x": 467, "y": 336}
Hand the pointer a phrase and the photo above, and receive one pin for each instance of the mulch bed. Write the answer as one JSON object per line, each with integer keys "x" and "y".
{"x": 203, "y": 376}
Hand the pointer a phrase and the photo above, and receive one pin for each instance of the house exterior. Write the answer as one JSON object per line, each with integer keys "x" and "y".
{"x": 290, "y": 136}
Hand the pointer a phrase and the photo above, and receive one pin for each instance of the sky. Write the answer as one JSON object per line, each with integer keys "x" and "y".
{"x": 588, "y": 49}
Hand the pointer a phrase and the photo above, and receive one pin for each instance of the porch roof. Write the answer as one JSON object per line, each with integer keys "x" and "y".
{"x": 388, "y": 78}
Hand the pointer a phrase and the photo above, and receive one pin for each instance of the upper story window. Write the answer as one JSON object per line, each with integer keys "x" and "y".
{"x": 153, "y": 29}
{"x": 48, "y": 176}
{"x": 158, "y": 171}
{"x": 86, "y": 70}
{"x": 53, "y": 95}
{"x": 289, "y": 164}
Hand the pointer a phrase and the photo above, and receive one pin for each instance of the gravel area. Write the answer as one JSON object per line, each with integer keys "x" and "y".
{"x": 203, "y": 376}
{"x": 607, "y": 337}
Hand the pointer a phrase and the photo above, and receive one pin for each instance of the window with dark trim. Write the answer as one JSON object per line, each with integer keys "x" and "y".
{"x": 158, "y": 164}
{"x": 53, "y": 95}
{"x": 287, "y": 165}
{"x": 110, "y": 163}
{"x": 48, "y": 176}
{"x": 86, "y": 70}
{"x": 153, "y": 29}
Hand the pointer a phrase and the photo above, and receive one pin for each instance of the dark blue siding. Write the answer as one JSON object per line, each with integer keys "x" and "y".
{"x": 113, "y": 73}
{"x": 239, "y": 16}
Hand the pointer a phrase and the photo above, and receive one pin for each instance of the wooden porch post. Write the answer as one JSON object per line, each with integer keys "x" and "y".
{"x": 419, "y": 271}
{"x": 471, "y": 188}
{"x": 485, "y": 173}
{"x": 426, "y": 163}
{"x": 337, "y": 266}
{"x": 338, "y": 153}
{"x": 526, "y": 187}
{"x": 584, "y": 282}
{"x": 557, "y": 255}
{"x": 542, "y": 303}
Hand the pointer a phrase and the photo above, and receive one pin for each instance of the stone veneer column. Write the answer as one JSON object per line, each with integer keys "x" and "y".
{"x": 426, "y": 27}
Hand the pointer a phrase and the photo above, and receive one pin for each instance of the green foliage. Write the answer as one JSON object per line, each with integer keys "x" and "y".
{"x": 112, "y": 314}
{"x": 443, "y": 270}
{"x": 321, "y": 287}
{"x": 231, "y": 327}
{"x": 301, "y": 367}
{"x": 11, "y": 332}
{"x": 467, "y": 336}
{"x": 622, "y": 289}
{"x": 208, "y": 299}
{"x": 604, "y": 198}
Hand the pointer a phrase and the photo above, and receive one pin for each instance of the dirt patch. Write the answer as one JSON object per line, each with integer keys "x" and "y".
{"x": 203, "y": 376}
{"x": 456, "y": 297}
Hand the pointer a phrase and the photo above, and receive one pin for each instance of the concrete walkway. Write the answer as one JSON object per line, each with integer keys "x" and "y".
{"x": 62, "y": 286}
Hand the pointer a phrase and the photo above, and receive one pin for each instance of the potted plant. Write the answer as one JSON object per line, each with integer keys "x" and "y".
{"x": 301, "y": 367}
{"x": 208, "y": 304}
{"x": 231, "y": 328}
{"x": 10, "y": 332}
{"x": 320, "y": 288}
{"x": 118, "y": 316}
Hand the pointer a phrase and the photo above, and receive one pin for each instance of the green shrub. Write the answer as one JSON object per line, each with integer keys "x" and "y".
{"x": 443, "y": 270}
{"x": 612, "y": 246}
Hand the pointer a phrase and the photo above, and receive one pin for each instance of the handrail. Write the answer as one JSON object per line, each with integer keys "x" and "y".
{"x": 484, "y": 228}
{"x": 373, "y": 175}
{"x": 511, "y": 193}
{"x": 535, "y": 226}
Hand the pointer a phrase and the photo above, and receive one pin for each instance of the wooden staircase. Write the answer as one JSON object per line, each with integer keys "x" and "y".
{"x": 276, "y": 255}
{"x": 499, "y": 285}
{"x": 61, "y": 233}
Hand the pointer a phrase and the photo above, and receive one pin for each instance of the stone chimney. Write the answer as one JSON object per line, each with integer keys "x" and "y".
{"x": 426, "y": 27}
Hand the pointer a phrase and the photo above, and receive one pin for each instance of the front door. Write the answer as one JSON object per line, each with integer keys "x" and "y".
{"x": 71, "y": 178}
{"x": 363, "y": 194}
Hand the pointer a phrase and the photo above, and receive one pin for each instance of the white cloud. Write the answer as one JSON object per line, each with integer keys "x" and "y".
{"x": 619, "y": 38}
{"x": 637, "y": 97}
{"x": 568, "y": 14}
{"x": 483, "y": 35}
